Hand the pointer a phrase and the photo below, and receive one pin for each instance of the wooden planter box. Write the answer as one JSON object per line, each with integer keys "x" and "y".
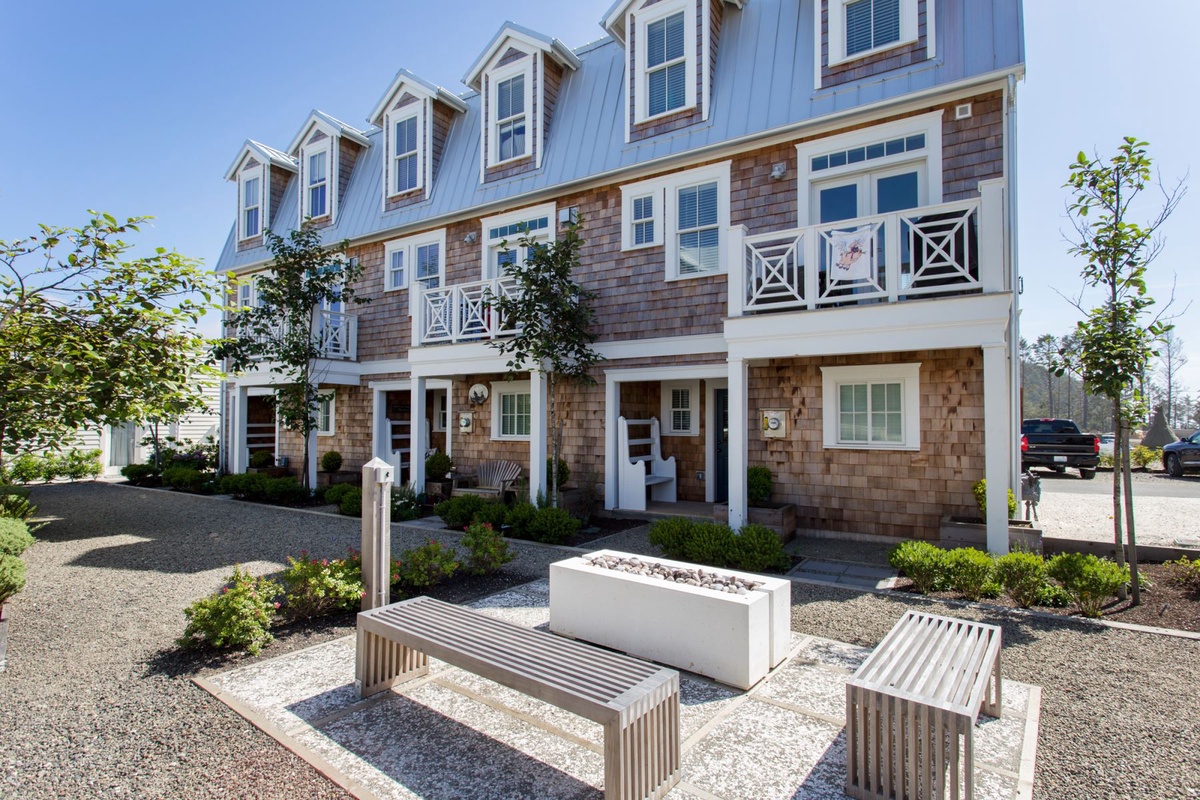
{"x": 779, "y": 517}
{"x": 438, "y": 488}
{"x": 972, "y": 532}
{"x": 341, "y": 476}
{"x": 734, "y": 639}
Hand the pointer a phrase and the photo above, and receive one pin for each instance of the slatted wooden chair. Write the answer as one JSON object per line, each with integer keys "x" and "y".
{"x": 493, "y": 479}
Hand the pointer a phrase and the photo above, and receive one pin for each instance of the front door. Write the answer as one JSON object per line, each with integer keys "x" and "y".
{"x": 721, "y": 445}
{"x": 121, "y": 441}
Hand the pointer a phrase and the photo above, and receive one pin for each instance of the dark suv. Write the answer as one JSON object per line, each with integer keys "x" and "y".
{"x": 1178, "y": 457}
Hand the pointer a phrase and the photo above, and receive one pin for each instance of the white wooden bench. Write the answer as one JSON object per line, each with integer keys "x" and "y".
{"x": 638, "y": 472}
{"x": 636, "y": 702}
{"x": 920, "y": 690}
{"x": 493, "y": 479}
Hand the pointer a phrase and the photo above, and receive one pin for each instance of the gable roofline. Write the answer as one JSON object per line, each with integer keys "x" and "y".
{"x": 613, "y": 20}
{"x": 340, "y": 128}
{"x": 511, "y": 30}
{"x": 265, "y": 154}
{"x": 406, "y": 78}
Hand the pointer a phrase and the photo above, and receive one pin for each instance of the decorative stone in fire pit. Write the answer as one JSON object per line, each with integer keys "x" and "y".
{"x": 730, "y": 626}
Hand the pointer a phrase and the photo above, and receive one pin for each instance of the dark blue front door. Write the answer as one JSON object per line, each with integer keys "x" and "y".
{"x": 721, "y": 443}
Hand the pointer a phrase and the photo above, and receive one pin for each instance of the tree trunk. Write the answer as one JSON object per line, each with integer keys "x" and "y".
{"x": 1129, "y": 530}
{"x": 553, "y": 387}
{"x": 1119, "y": 460}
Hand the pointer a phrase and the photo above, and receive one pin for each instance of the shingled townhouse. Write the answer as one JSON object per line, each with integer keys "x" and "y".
{"x": 799, "y": 219}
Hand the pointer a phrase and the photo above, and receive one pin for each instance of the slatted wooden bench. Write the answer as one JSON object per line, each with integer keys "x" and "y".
{"x": 493, "y": 479}
{"x": 912, "y": 699}
{"x": 636, "y": 702}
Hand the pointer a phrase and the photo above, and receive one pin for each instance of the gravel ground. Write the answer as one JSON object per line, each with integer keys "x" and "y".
{"x": 98, "y": 702}
{"x": 1159, "y": 520}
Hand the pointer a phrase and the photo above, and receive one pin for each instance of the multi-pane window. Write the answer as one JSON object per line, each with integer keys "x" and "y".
{"x": 514, "y": 414}
{"x": 680, "y": 408}
{"x": 251, "y": 205}
{"x": 397, "y": 277}
{"x": 643, "y": 220}
{"x": 325, "y": 418}
{"x": 871, "y": 24}
{"x": 414, "y": 262}
{"x": 318, "y": 184}
{"x": 503, "y": 237}
{"x": 698, "y": 229}
{"x": 666, "y": 65}
{"x": 405, "y": 162}
{"x": 870, "y": 413}
{"x": 510, "y": 118}
{"x": 429, "y": 265}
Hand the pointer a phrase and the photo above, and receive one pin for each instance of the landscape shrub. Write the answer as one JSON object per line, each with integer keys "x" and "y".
{"x": 564, "y": 472}
{"x": 80, "y": 465}
{"x": 427, "y": 565}
{"x": 283, "y": 491}
{"x": 922, "y": 563}
{"x": 14, "y": 537}
{"x": 187, "y": 479}
{"x": 970, "y": 571}
{"x": 671, "y": 535}
{"x": 1022, "y": 574}
{"x": 494, "y": 514}
{"x": 246, "y": 486}
{"x": 12, "y": 576}
{"x": 486, "y": 549}
{"x": 14, "y": 503}
{"x": 331, "y": 461}
{"x": 457, "y": 512}
{"x": 261, "y": 459}
{"x": 757, "y": 549}
{"x": 1090, "y": 581}
{"x": 758, "y": 485}
{"x": 1185, "y": 573}
{"x": 711, "y": 543}
{"x": 334, "y": 494}
{"x": 436, "y": 467}
{"x": 1141, "y": 457}
{"x": 25, "y": 468}
{"x": 553, "y": 526}
{"x": 201, "y": 456}
{"x": 979, "y": 489}
{"x": 314, "y": 588}
{"x": 350, "y": 503}
{"x": 1051, "y": 595}
{"x": 406, "y": 503}
{"x": 238, "y": 616}
{"x": 139, "y": 473}
{"x": 1107, "y": 460}
{"x": 519, "y": 519}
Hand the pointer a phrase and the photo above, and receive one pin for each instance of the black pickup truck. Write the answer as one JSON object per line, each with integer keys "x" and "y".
{"x": 1058, "y": 444}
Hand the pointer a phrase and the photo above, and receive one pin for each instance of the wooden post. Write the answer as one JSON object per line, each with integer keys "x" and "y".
{"x": 376, "y": 533}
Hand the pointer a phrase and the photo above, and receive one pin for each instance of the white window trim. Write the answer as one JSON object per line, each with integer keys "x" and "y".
{"x": 523, "y": 66}
{"x": 548, "y": 210}
{"x": 331, "y": 169}
{"x": 440, "y": 410}
{"x": 909, "y": 378}
{"x": 837, "y": 31}
{"x": 929, "y": 124}
{"x": 408, "y": 245}
{"x": 643, "y": 20}
{"x": 671, "y": 185}
{"x": 414, "y": 110}
{"x": 508, "y": 388}
{"x": 332, "y": 430}
{"x": 259, "y": 172}
{"x": 665, "y": 418}
{"x": 634, "y": 191}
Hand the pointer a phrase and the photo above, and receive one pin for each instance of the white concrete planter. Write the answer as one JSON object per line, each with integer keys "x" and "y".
{"x": 734, "y": 639}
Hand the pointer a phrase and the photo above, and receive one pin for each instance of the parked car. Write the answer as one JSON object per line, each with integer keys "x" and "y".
{"x": 1181, "y": 456}
{"x": 1058, "y": 444}
{"x": 1108, "y": 443}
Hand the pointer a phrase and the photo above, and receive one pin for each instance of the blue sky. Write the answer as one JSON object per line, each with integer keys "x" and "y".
{"x": 139, "y": 107}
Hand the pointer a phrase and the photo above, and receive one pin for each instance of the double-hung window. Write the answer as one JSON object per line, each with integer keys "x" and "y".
{"x": 251, "y": 206}
{"x": 511, "y": 110}
{"x": 680, "y": 408}
{"x": 687, "y": 212}
{"x": 642, "y": 219}
{"x": 429, "y": 265}
{"x": 416, "y": 260}
{"x": 325, "y": 414}
{"x": 318, "y": 184}
{"x": 859, "y": 28}
{"x": 698, "y": 229}
{"x": 512, "y": 410}
{"x": 406, "y": 160}
{"x": 666, "y": 66}
{"x": 872, "y": 407}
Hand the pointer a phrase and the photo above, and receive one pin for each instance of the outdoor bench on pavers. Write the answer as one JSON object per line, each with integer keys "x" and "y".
{"x": 907, "y": 705}
{"x": 636, "y": 702}
{"x": 493, "y": 479}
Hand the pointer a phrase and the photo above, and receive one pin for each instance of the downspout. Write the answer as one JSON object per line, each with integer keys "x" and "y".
{"x": 1014, "y": 327}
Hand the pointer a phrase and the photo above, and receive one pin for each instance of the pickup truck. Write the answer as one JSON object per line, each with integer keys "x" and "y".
{"x": 1058, "y": 444}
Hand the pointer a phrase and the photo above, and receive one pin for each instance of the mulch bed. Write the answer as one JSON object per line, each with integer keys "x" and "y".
{"x": 1164, "y": 604}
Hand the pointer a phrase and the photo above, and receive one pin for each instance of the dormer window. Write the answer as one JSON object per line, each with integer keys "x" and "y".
{"x": 406, "y": 154}
{"x": 666, "y": 66}
{"x": 251, "y": 206}
{"x": 860, "y": 28}
{"x": 261, "y": 173}
{"x": 318, "y": 184}
{"x": 510, "y": 118}
{"x": 327, "y": 149}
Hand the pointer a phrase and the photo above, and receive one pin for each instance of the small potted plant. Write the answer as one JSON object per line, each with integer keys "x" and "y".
{"x": 970, "y": 531}
{"x": 331, "y": 462}
{"x": 779, "y": 517}
{"x": 261, "y": 461}
{"x": 437, "y": 474}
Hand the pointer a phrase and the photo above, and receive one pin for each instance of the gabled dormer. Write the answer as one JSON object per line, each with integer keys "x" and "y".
{"x": 670, "y": 53}
{"x": 415, "y": 117}
{"x": 518, "y": 77}
{"x": 261, "y": 174}
{"x": 327, "y": 150}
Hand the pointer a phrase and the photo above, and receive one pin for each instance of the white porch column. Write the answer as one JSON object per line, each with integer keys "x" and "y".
{"x": 996, "y": 446}
{"x": 379, "y": 439}
{"x": 612, "y": 410}
{"x": 538, "y": 419}
{"x": 992, "y": 237}
{"x": 738, "y": 416}
{"x": 416, "y": 431}
{"x": 239, "y": 457}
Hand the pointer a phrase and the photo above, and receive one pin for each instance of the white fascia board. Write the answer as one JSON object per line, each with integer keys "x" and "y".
{"x": 418, "y": 86}
{"x": 663, "y": 347}
{"x": 974, "y": 321}
{"x": 674, "y": 373}
{"x": 456, "y": 359}
{"x": 266, "y": 155}
{"x": 529, "y": 38}
{"x": 383, "y": 366}
{"x": 330, "y": 126}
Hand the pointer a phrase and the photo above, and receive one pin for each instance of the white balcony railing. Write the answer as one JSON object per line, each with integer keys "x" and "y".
{"x": 461, "y": 313}
{"x": 336, "y": 334}
{"x": 951, "y": 248}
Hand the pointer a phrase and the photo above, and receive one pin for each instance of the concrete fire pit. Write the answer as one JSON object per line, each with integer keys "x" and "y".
{"x": 734, "y": 637}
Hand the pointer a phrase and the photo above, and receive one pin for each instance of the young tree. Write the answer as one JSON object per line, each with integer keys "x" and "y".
{"x": 553, "y": 318}
{"x": 1044, "y": 353}
{"x": 1117, "y": 338}
{"x": 1170, "y": 362}
{"x": 286, "y": 326}
{"x": 92, "y": 336}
